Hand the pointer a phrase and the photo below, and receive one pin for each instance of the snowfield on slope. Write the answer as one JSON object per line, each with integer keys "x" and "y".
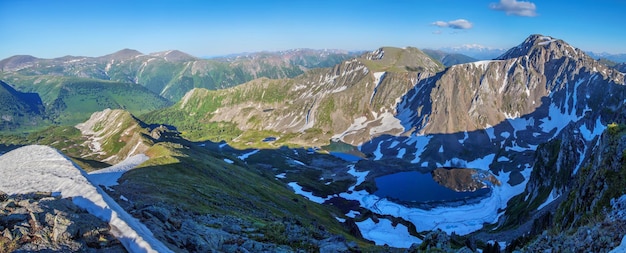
{"x": 109, "y": 176}
{"x": 40, "y": 168}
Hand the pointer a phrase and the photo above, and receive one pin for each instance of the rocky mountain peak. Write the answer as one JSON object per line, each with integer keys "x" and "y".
{"x": 540, "y": 45}
{"x": 174, "y": 56}
{"x": 392, "y": 59}
{"x": 375, "y": 55}
{"x": 17, "y": 62}
{"x": 122, "y": 54}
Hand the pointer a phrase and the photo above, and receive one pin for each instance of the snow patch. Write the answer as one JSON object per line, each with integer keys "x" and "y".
{"x": 489, "y": 130}
{"x": 360, "y": 176}
{"x": 309, "y": 195}
{"x": 246, "y": 155}
{"x": 551, "y": 197}
{"x": 228, "y": 161}
{"x": 465, "y": 137}
{"x": 384, "y": 232}
{"x": 109, "y": 176}
{"x": 378, "y": 76}
{"x": 589, "y": 135}
{"x": 420, "y": 145}
{"x": 401, "y": 153}
{"x": 353, "y": 214}
{"x": 388, "y": 123}
{"x": 377, "y": 154}
{"x": 482, "y": 64}
{"x": 41, "y": 168}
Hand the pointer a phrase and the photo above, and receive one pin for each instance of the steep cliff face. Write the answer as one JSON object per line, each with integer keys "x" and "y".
{"x": 583, "y": 179}
{"x": 478, "y": 95}
{"x": 599, "y": 181}
{"x": 498, "y": 112}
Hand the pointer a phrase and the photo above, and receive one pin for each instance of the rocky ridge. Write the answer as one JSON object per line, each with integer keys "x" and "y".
{"x": 42, "y": 221}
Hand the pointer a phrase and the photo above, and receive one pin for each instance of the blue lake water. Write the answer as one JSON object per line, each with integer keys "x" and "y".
{"x": 269, "y": 139}
{"x": 346, "y": 157}
{"x": 419, "y": 187}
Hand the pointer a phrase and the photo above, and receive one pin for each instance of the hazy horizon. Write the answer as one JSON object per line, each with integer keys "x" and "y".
{"x": 51, "y": 29}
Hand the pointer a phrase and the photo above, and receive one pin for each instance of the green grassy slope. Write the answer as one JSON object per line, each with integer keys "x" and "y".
{"x": 19, "y": 111}
{"x": 70, "y": 100}
{"x": 191, "y": 178}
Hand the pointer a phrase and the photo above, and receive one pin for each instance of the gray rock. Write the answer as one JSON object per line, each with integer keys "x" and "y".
{"x": 232, "y": 228}
{"x": 464, "y": 250}
{"x": 61, "y": 228}
{"x": 159, "y": 212}
{"x": 7, "y": 234}
{"x": 13, "y": 219}
{"x": 334, "y": 244}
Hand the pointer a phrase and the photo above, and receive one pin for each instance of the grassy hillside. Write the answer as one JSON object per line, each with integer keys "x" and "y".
{"x": 18, "y": 110}
{"x": 171, "y": 74}
{"x": 448, "y": 59}
{"x": 186, "y": 177}
{"x": 306, "y": 110}
{"x": 70, "y": 100}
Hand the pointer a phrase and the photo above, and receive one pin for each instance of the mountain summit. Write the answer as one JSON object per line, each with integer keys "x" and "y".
{"x": 122, "y": 55}
{"x": 539, "y": 44}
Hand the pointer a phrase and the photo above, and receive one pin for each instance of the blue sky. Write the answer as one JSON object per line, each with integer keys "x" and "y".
{"x": 49, "y": 28}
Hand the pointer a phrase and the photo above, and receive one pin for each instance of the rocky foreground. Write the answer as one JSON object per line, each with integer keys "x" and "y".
{"x": 43, "y": 222}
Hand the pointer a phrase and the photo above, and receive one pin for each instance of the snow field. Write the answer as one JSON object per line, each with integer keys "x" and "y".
{"x": 384, "y": 232}
{"x": 41, "y": 168}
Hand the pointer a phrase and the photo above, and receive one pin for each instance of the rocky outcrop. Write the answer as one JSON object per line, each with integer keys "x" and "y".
{"x": 186, "y": 231}
{"x": 464, "y": 180}
{"x": 585, "y": 177}
{"x": 42, "y": 222}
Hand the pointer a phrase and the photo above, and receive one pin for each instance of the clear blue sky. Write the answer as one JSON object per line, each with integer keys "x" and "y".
{"x": 49, "y": 28}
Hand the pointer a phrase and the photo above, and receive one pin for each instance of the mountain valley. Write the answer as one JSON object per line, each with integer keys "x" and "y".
{"x": 285, "y": 151}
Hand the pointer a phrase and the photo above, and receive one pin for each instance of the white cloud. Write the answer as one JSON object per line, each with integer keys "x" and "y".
{"x": 513, "y": 7}
{"x": 437, "y": 32}
{"x": 454, "y": 24}
{"x": 460, "y": 24}
{"x": 440, "y": 23}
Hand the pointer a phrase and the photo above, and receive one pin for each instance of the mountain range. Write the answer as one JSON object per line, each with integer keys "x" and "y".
{"x": 171, "y": 74}
{"x": 542, "y": 126}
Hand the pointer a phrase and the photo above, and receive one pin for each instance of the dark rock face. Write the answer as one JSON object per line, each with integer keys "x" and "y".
{"x": 40, "y": 222}
{"x": 463, "y": 180}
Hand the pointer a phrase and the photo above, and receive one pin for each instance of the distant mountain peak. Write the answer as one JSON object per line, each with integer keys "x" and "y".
{"x": 540, "y": 43}
{"x": 122, "y": 54}
{"x": 174, "y": 56}
{"x": 16, "y": 62}
{"x": 395, "y": 59}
